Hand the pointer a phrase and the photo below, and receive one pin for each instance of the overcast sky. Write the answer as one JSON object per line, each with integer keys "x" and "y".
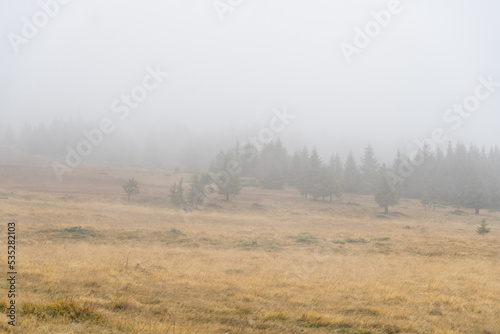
{"x": 264, "y": 54}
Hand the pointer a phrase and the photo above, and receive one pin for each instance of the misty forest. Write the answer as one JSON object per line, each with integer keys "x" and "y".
{"x": 459, "y": 176}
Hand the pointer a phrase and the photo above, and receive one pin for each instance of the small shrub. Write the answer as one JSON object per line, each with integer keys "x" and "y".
{"x": 131, "y": 188}
{"x": 77, "y": 232}
{"x": 354, "y": 241}
{"x": 250, "y": 245}
{"x": 176, "y": 232}
{"x": 381, "y": 239}
{"x": 435, "y": 312}
{"x": 233, "y": 271}
{"x": 483, "y": 228}
{"x": 340, "y": 242}
{"x": 120, "y": 305}
{"x": 178, "y": 241}
{"x": 305, "y": 238}
{"x": 62, "y": 309}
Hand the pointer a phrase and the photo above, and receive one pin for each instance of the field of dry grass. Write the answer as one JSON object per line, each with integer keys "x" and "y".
{"x": 89, "y": 262}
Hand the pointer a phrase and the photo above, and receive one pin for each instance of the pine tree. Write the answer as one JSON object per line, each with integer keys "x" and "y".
{"x": 315, "y": 176}
{"x": 199, "y": 189}
{"x": 224, "y": 170}
{"x": 131, "y": 188}
{"x": 338, "y": 169}
{"x": 273, "y": 166}
{"x": 369, "y": 167}
{"x": 333, "y": 177}
{"x": 247, "y": 159}
{"x": 177, "y": 195}
{"x": 476, "y": 195}
{"x": 299, "y": 170}
{"x": 386, "y": 195}
{"x": 351, "y": 182}
{"x": 483, "y": 228}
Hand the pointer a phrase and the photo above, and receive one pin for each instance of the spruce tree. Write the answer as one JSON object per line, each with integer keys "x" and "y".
{"x": 369, "y": 168}
{"x": 483, "y": 228}
{"x": 315, "y": 176}
{"x": 131, "y": 188}
{"x": 224, "y": 170}
{"x": 199, "y": 189}
{"x": 273, "y": 166}
{"x": 299, "y": 171}
{"x": 351, "y": 182}
{"x": 333, "y": 177}
{"x": 386, "y": 194}
{"x": 177, "y": 195}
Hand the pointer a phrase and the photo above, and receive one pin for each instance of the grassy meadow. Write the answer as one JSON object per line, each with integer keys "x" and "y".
{"x": 265, "y": 262}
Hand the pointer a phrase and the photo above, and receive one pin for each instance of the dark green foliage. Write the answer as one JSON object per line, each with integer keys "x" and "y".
{"x": 131, "y": 188}
{"x": 483, "y": 228}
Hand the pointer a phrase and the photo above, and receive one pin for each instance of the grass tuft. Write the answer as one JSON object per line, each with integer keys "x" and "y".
{"x": 176, "y": 232}
{"x": 356, "y": 241}
{"x": 381, "y": 239}
{"x": 305, "y": 238}
{"x": 279, "y": 316}
{"x": 62, "y": 309}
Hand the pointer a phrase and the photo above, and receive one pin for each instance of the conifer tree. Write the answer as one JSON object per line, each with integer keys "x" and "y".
{"x": 273, "y": 166}
{"x": 177, "y": 195}
{"x": 131, "y": 188}
{"x": 199, "y": 189}
{"x": 386, "y": 195}
{"x": 483, "y": 228}
{"x": 369, "y": 168}
{"x": 225, "y": 170}
{"x": 351, "y": 182}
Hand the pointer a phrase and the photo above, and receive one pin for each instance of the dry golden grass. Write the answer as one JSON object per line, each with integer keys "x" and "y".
{"x": 284, "y": 267}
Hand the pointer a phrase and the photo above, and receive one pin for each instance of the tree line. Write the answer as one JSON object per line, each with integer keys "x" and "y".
{"x": 460, "y": 176}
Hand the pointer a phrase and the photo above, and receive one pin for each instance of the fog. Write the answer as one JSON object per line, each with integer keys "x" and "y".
{"x": 231, "y": 63}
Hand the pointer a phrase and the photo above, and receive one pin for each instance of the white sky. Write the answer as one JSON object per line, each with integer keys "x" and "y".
{"x": 265, "y": 54}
